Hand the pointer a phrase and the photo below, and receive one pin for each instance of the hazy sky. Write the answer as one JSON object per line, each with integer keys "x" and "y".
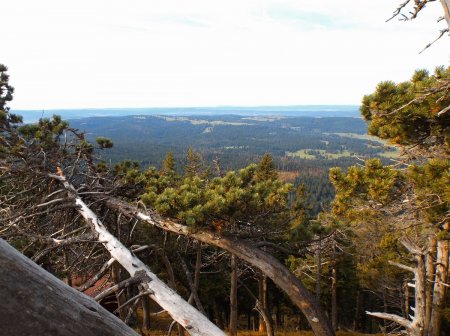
{"x": 148, "y": 53}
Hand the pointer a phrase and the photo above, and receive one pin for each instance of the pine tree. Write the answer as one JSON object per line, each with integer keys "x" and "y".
{"x": 399, "y": 213}
{"x": 194, "y": 163}
{"x": 168, "y": 163}
{"x": 266, "y": 169}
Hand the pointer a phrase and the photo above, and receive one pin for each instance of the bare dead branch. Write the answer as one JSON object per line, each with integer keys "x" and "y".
{"x": 442, "y": 32}
{"x": 97, "y": 276}
{"x": 391, "y": 317}
{"x": 404, "y": 267}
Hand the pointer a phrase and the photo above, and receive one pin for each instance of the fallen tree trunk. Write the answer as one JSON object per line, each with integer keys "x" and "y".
{"x": 186, "y": 315}
{"x": 34, "y": 302}
{"x": 268, "y": 264}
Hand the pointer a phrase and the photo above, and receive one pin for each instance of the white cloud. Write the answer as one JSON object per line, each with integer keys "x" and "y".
{"x": 208, "y": 52}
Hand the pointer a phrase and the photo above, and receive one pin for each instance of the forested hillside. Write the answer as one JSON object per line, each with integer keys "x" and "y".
{"x": 303, "y": 148}
{"x": 235, "y": 140}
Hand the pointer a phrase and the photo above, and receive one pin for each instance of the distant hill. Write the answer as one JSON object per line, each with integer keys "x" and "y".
{"x": 236, "y": 139}
{"x": 289, "y": 111}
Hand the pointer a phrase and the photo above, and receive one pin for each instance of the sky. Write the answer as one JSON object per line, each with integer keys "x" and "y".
{"x": 186, "y": 53}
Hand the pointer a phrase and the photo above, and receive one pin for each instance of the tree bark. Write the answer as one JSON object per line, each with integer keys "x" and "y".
{"x": 431, "y": 256}
{"x": 192, "y": 287}
{"x": 334, "y": 296}
{"x": 439, "y": 291}
{"x": 34, "y": 302}
{"x": 355, "y": 326}
{"x": 116, "y": 276}
{"x": 146, "y": 313}
{"x": 172, "y": 283}
{"x": 319, "y": 269}
{"x": 233, "y": 297}
{"x": 265, "y": 318}
{"x": 334, "y": 289}
{"x": 266, "y": 297}
{"x": 406, "y": 300}
{"x": 446, "y": 7}
{"x": 417, "y": 326}
{"x": 198, "y": 266}
{"x": 262, "y": 326}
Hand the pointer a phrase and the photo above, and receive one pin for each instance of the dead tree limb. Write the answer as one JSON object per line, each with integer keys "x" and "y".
{"x": 192, "y": 287}
{"x": 123, "y": 284}
{"x": 186, "y": 315}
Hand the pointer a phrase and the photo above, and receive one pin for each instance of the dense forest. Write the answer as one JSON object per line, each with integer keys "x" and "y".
{"x": 303, "y": 148}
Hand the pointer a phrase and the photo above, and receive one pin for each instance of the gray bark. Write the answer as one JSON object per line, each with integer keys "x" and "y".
{"x": 431, "y": 256}
{"x": 446, "y": 7}
{"x": 34, "y": 302}
{"x": 334, "y": 289}
{"x": 440, "y": 289}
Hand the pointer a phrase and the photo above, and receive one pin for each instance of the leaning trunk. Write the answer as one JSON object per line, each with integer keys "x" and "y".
{"x": 273, "y": 268}
{"x": 268, "y": 264}
{"x": 265, "y": 318}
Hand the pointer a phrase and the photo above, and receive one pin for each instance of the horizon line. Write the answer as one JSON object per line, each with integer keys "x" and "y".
{"x": 184, "y": 107}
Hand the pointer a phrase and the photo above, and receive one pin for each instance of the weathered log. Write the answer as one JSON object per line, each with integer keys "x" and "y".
{"x": 34, "y": 302}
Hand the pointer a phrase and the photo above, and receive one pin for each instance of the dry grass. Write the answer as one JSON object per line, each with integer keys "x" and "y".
{"x": 296, "y": 333}
{"x": 305, "y": 154}
{"x": 288, "y": 176}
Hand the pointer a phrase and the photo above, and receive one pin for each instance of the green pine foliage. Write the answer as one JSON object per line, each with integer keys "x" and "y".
{"x": 372, "y": 184}
{"x": 47, "y": 131}
{"x": 410, "y": 113}
{"x": 221, "y": 203}
{"x": 104, "y": 142}
{"x": 431, "y": 183}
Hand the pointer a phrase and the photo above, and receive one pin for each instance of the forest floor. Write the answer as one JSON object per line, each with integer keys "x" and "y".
{"x": 160, "y": 325}
{"x": 278, "y": 333}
